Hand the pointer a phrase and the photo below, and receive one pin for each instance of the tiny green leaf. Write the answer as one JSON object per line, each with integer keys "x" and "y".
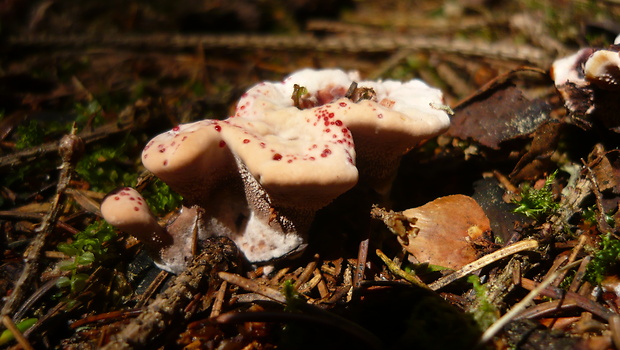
{"x": 86, "y": 258}
{"x": 67, "y": 249}
{"x": 22, "y": 326}
{"x": 63, "y": 282}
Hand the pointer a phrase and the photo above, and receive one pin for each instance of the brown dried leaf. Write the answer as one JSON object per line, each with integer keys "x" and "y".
{"x": 536, "y": 161}
{"x": 440, "y": 232}
{"x": 498, "y": 114}
{"x": 606, "y": 168}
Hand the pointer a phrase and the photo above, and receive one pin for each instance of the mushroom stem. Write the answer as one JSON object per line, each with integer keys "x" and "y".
{"x": 271, "y": 230}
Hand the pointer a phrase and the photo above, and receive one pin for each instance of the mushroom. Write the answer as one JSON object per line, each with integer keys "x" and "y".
{"x": 588, "y": 82}
{"x": 125, "y": 209}
{"x": 261, "y": 175}
{"x": 603, "y": 69}
{"x": 386, "y": 118}
{"x": 259, "y": 181}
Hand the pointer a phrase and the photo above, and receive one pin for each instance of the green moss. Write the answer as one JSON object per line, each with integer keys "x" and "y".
{"x": 106, "y": 167}
{"x": 604, "y": 260}
{"x": 29, "y": 135}
{"x": 485, "y": 314}
{"x": 88, "y": 248}
{"x": 161, "y": 198}
{"x": 589, "y": 216}
{"x": 293, "y": 298}
{"x": 537, "y": 203}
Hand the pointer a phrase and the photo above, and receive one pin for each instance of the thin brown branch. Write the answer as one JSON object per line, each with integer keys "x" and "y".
{"x": 252, "y": 286}
{"x": 348, "y": 43}
{"x": 581, "y": 301}
{"x": 23, "y": 342}
{"x": 524, "y": 245}
{"x": 70, "y": 148}
{"x": 169, "y": 308}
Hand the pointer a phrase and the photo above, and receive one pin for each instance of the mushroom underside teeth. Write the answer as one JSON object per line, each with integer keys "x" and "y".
{"x": 261, "y": 242}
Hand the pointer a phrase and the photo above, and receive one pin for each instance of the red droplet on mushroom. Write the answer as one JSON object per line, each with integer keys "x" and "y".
{"x": 218, "y": 128}
{"x": 343, "y": 104}
{"x": 262, "y": 145}
{"x": 277, "y": 156}
{"x": 246, "y": 140}
{"x": 380, "y": 115}
{"x": 222, "y": 144}
{"x": 176, "y": 128}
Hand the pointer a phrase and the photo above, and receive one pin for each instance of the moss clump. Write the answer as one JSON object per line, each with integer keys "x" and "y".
{"x": 89, "y": 247}
{"x": 29, "y": 135}
{"x": 537, "y": 203}
{"x": 485, "y": 314}
{"x": 161, "y": 198}
{"x": 604, "y": 260}
{"x": 107, "y": 167}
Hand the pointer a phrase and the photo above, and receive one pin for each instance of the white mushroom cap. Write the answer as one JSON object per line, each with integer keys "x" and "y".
{"x": 570, "y": 69}
{"x": 191, "y": 158}
{"x": 303, "y": 159}
{"x": 603, "y": 69}
{"x": 398, "y": 118}
{"x": 587, "y": 78}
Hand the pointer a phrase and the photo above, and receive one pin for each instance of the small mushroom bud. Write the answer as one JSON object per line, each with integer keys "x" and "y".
{"x": 125, "y": 209}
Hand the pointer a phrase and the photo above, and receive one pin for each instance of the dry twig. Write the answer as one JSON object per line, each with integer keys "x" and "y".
{"x": 70, "y": 148}
{"x": 528, "y": 244}
{"x": 169, "y": 308}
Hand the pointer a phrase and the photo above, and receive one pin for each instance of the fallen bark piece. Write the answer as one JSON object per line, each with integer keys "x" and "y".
{"x": 440, "y": 232}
